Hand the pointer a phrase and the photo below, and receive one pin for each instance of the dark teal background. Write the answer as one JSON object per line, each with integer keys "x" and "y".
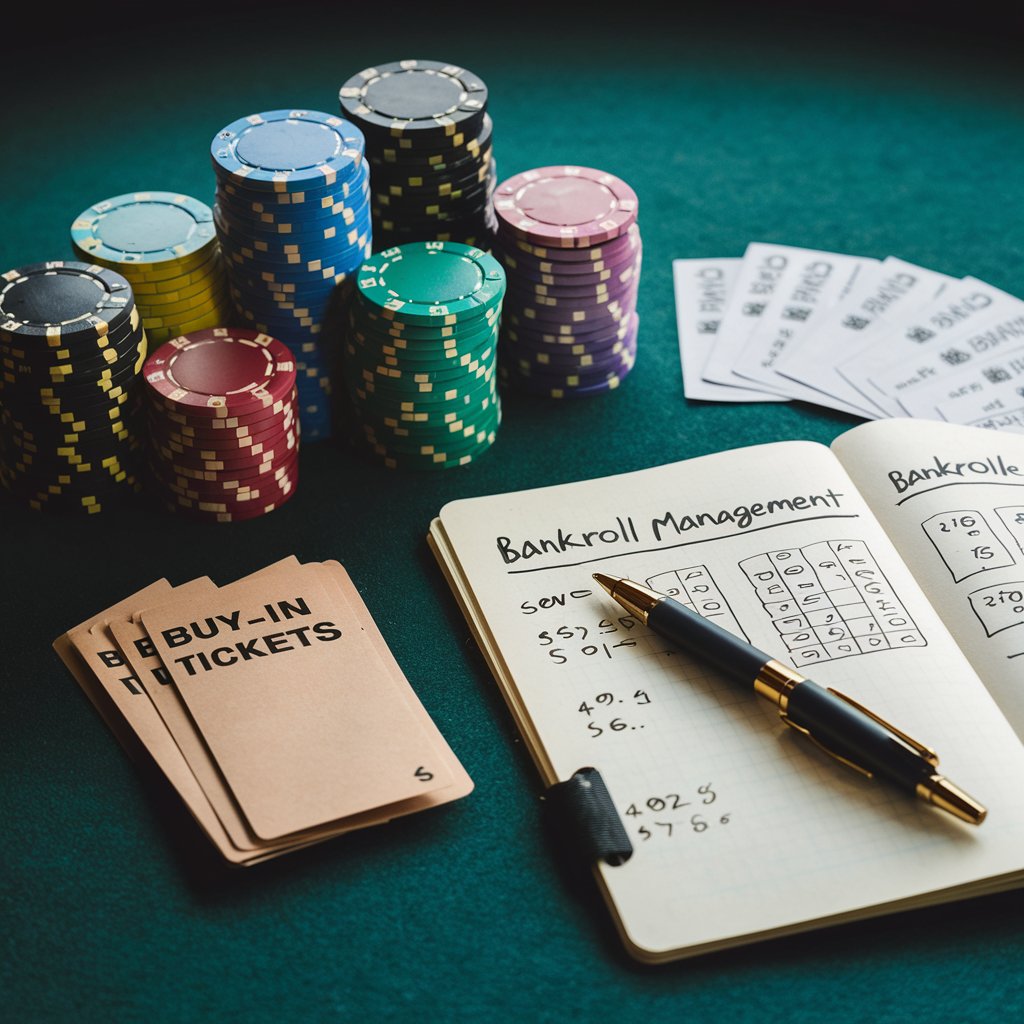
{"x": 873, "y": 135}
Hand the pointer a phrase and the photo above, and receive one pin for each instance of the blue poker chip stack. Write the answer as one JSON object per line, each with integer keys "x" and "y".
{"x": 293, "y": 216}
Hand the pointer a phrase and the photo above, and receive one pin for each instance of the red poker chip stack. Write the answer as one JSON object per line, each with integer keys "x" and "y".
{"x": 223, "y": 427}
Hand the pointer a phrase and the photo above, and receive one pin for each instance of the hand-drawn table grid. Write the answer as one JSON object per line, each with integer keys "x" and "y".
{"x": 830, "y": 600}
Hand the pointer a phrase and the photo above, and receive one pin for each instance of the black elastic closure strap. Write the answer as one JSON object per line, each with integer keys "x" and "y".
{"x": 582, "y": 811}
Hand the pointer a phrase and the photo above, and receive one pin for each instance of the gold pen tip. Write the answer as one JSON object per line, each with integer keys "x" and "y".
{"x": 940, "y": 792}
{"x": 607, "y": 582}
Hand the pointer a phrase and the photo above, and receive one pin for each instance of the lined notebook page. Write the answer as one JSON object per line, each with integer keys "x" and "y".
{"x": 952, "y": 498}
{"x": 741, "y": 828}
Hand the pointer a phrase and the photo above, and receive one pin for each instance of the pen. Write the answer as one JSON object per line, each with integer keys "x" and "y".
{"x": 839, "y": 725}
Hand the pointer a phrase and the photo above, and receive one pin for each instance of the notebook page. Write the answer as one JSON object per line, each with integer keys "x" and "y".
{"x": 952, "y": 498}
{"x": 741, "y": 828}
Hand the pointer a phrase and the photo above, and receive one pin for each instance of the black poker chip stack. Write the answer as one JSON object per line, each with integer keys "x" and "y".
{"x": 71, "y": 348}
{"x": 429, "y": 143}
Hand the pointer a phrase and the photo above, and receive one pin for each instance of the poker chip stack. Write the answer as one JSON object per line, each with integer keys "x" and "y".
{"x": 293, "y": 216}
{"x": 223, "y": 430}
{"x": 165, "y": 245}
{"x": 570, "y": 244}
{"x": 428, "y": 141}
{"x": 71, "y": 348}
{"x": 419, "y": 356}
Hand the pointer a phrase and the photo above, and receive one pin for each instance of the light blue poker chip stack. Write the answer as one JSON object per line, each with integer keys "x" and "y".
{"x": 293, "y": 216}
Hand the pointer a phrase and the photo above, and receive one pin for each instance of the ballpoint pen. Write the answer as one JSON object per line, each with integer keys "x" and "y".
{"x": 846, "y": 730}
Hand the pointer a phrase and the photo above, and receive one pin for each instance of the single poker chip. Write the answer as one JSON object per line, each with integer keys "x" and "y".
{"x": 607, "y": 252}
{"x": 566, "y": 206}
{"x": 462, "y": 144}
{"x": 332, "y": 243}
{"x": 269, "y": 489}
{"x": 181, "y": 294}
{"x": 433, "y": 183}
{"x": 368, "y": 395}
{"x": 271, "y": 446}
{"x": 432, "y": 371}
{"x": 443, "y": 350}
{"x": 381, "y": 324}
{"x": 573, "y": 318}
{"x": 224, "y": 447}
{"x": 256, "y": 465}
{"x": 413, "y": 219}
{"x": 63, "y": 302}
{"x": 567, "y": 294}
{"x": 288, "y": 149}
{"x": 293, "y": 220}
{"x": 144, "y": 228}
{"x": 154, "y": 277}
{"x": 303, "y": 199}
{"x": 590, "y": 365}
{"x": 390, "y": 394}
{"x": 312, "y": 225}
{"x": 365, "y": 349}
{"x": 414, "y": 98}
{"x": 431, "y": 282}
{"x": 562, "y": 355}
{"x": 184, "y": 423}
{"x": 464, "y": 333}
{"x": 33, "y": 353}
{"x": 569, "y": 275}
{"x": 452, "y": 428}
{"x": 447, "y": 202}
{"x": 220, "y": 372}
{"x": 205, "y": 513}
{"x": 428, "y": 457}
{"x": 227, "y": 479}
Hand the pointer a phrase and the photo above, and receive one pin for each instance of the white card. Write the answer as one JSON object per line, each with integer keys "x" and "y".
{"x": 881, "y": 294}
{"x": 942, "y": 356}
{"x": 811, "y": 285}
{"x": 762, "y": 266}
{"x": 702, "y": 288}
{"x": 979, "y": 395}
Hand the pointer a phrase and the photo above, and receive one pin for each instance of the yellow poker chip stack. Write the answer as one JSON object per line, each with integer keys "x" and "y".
{"x": 165, "y": 244}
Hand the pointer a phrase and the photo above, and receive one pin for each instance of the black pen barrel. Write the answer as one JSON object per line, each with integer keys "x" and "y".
{"x": 842, "y": 729}
{"x": 705, "y": 639}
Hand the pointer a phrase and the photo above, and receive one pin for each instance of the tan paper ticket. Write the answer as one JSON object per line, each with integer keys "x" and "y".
{"x": 294, "y": 702}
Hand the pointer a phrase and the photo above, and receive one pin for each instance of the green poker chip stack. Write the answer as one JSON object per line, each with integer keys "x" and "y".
{"x": 420, "y": 354}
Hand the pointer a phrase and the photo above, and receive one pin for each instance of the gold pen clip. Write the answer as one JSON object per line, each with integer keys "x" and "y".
{"x": 920, "y": 749}
{"x": 831, "y": 753}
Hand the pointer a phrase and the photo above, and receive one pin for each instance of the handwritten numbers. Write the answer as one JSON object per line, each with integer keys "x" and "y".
{"x": 668, "y": 815}
{"x": 620, "y": 721}
{"x": 965, "y": 542}
{"x": 998, "y": 607}
{"x": 1013, "y": 519}
{"x": 830, "y": 600}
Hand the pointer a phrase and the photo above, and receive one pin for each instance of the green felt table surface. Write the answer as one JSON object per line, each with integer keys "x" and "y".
{"x": 857, "y": 138}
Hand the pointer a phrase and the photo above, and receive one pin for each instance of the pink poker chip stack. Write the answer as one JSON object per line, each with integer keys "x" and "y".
{"x": 570, "y": 244}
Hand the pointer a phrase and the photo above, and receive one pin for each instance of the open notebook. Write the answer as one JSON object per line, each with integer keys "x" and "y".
{"x": 890, "y": 567}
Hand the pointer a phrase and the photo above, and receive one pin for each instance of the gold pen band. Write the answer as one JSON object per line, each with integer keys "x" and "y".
{"x": 776, "y": 682}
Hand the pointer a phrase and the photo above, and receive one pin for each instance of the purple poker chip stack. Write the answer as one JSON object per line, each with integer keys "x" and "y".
{"x": 570, "y": 245}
